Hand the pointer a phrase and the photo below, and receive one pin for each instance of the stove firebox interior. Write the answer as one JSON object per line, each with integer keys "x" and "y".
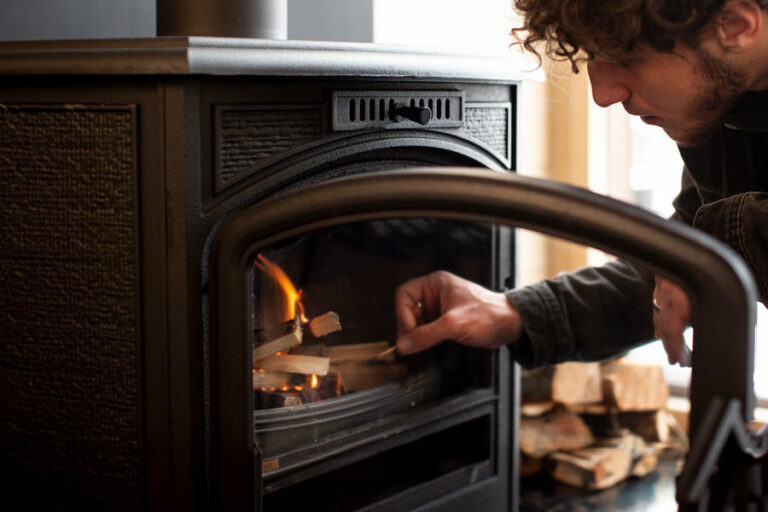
{"x": 124, "y": 163}
{"x": 331, "y": 411}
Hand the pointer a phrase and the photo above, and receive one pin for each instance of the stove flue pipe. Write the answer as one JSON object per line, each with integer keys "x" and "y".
{"x": 267, "y": 19}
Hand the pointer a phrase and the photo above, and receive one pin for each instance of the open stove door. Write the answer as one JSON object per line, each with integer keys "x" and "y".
{"x": 725, "y": 466}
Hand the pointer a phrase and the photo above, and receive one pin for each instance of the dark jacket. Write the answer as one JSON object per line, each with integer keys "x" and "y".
{"x": 595, "y": 313}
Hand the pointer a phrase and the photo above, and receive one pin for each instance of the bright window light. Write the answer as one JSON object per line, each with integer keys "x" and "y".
{"x": 465, "y": 24}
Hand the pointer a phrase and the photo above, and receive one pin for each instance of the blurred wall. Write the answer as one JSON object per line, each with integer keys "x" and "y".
{"x": 76, "y": 19}
{"x": 323, "y": 20}
{"x": 331, "y": 20}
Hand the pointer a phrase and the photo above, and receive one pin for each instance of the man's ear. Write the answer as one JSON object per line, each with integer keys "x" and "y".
{"x": 739, "y": 25}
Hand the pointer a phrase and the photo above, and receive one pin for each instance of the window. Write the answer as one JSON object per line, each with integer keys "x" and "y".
{"x": 476, "y": 24}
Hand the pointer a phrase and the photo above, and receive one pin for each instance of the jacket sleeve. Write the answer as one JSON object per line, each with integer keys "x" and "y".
{"x": 587, "y": 315}
{"x": 741, "y": 221}
{"x": 593, "y": 313}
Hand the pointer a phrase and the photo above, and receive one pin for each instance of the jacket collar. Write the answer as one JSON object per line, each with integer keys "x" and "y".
{"x": 750, "y": 113}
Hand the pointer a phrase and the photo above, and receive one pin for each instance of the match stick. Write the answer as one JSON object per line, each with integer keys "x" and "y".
{"x": 385, "y": 353}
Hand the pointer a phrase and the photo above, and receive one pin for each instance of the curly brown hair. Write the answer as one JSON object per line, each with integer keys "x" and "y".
{"x": 575, "y": 30}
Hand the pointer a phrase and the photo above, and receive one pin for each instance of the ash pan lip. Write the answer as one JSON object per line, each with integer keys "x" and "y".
{"x": 262, "y": 19}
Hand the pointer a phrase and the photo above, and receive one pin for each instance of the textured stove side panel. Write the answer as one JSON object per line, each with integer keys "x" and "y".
{"x": 491, "y": 124}
{"x": 249, "y": 135}
{"x": 70, "y": 428}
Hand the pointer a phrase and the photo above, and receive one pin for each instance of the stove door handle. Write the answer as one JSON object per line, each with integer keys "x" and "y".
{"x": 421, "y": 115}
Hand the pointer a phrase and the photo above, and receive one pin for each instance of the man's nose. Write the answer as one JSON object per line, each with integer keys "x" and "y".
{"x": 608, "y": 86}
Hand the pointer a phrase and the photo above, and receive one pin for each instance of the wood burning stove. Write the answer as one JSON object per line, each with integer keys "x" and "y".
{"x": 124, "y": 160}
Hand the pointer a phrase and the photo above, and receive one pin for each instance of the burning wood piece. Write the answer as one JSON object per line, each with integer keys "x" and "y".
{"x": 331, "y": 386}
{"x": 316, "y": 388}
{"x": 280, "y": 389}
{"x": 310, "y": 349}
{"x": 369, "y": 374}
{"x": 271, "y": 380}
{"x": 280, "y": 338}
{"x": 365, "y": 365}
{"x": 306, "y": 365}
{"x": 325, "y": 324}
{"x": 277, "y": 389}
{"x": 360, "y": 352}
{"x": 277, "y": 398}
{"x": 310, "y": 395}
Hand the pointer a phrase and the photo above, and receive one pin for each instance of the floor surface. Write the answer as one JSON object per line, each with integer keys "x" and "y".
{"x": 653, "y": 493}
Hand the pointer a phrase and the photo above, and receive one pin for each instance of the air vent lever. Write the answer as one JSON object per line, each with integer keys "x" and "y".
{"x": 421, "y": 115}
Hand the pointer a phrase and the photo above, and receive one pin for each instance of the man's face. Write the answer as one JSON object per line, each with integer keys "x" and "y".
{"x": 686, "y": 92}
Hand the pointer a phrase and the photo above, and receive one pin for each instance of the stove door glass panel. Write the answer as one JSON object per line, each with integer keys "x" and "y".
{"x": 323, "y": 323}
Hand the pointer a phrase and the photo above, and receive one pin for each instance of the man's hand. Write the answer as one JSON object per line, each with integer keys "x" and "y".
{"x": 671, "y": 315}
{"x": 442, "y": 306}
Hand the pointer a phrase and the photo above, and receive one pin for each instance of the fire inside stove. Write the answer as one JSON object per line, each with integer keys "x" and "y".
{"x": 323, "y": 314}
{"x": 294, "y": 359}
{"x": 325, "y": 376}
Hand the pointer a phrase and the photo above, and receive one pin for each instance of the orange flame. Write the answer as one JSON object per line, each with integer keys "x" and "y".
{"x": 338, "y": 387}
{"x": 314, "y": 382}
{"x": 292, "y": 296}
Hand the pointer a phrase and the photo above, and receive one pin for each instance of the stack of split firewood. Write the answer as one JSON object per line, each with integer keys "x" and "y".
{"x": 593, "y": 425}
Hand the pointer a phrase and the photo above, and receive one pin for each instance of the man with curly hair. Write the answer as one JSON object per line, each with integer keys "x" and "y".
{"x": 699, "y": 70}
